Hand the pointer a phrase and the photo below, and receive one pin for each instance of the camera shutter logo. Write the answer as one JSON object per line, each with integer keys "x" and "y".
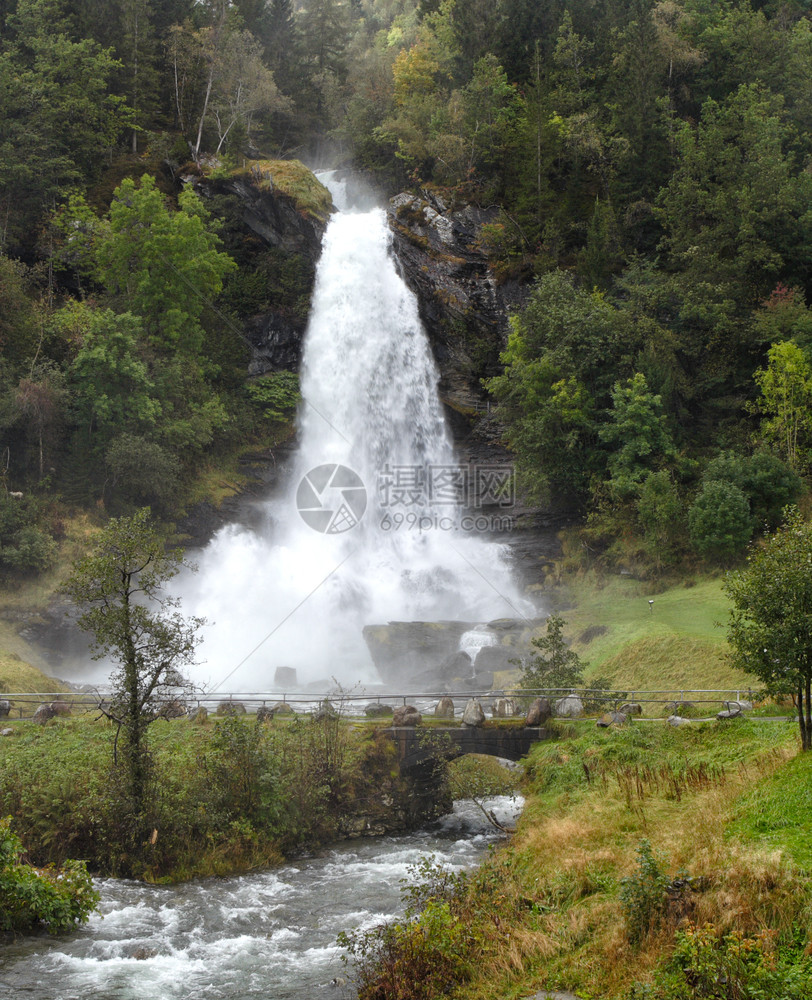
{"x": 331, "y": 499}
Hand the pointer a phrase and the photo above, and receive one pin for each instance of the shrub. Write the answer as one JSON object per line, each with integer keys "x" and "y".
{"x": 54, "y": 898}
{"x": 719, "y": 521}
{"x": 643, "y": 895}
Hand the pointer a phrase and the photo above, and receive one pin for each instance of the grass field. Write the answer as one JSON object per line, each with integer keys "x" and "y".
{"x": 674, "y": 642}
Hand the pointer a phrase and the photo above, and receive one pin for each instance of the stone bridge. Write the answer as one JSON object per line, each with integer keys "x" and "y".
{"x": 419, "y": 747}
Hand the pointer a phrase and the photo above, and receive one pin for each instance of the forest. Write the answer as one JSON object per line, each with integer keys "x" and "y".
{"x": 650, "y": 162}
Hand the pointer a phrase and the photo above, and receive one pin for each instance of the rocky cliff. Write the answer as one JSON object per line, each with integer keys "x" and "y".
{"x": 464, "y": 309}
{"x": 273, "y": 215}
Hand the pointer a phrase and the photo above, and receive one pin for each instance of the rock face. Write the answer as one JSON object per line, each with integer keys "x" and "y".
{"x": 428, "y": 652}
{"x": 406, "y": 651}
{"x": 461, "y": 305}
{"x": 285, "y": 677}
{"x": 406, "y": 715}
{"x": 473, "y": 714}
{"x": 268, "y": 233}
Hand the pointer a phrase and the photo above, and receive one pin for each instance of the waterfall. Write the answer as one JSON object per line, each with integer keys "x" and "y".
{"x": 370, "y": 528}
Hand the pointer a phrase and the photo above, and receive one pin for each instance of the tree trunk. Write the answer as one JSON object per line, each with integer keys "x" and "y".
{"x": 805, "y": 713}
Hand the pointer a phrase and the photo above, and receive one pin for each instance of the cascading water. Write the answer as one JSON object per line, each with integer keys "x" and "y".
{"x": 380, "y": 535}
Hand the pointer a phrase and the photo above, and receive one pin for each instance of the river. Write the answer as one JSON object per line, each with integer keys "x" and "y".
{"x": 269, "y": 934}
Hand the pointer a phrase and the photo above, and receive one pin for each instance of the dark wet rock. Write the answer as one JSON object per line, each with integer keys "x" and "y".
{"x": 325, "y": 711}
{"x": 631, "y": 708}
{"x": 282, "y": 708}
{"x": 402, "y": 651}
{"x": 264, "y": 714}
{"x": 5, "y": 708}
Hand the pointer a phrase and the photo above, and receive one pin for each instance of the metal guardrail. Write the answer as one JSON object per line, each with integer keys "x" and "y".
{"x": 24, "y": 704}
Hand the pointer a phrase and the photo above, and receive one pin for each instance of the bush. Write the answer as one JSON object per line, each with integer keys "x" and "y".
{"x": 719, "y": 521}
{"x": 25, "y": 545}
{"x": 54, "y": 898}
{"x": 643, "y": 895}
{"x": 708, "y": 966}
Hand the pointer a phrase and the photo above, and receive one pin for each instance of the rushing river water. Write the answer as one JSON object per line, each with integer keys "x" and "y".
{"x": 270, "y": 934}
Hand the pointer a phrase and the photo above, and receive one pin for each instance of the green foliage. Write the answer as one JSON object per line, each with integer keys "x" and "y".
{"x": 119, "y": 586}
{"x": 243, "y": 772}
{"x": 164, "y": 266}
{"x": 26, "y": 546}
{"x": 143, "y": 472}
{"x": 767, "y": 482}
{"x": 643, "y": 895}
{"x": 785, "y": 402}
{"x": 768, "y": 628}
{"x": 422, "y": 956}
{"x": 57, "y": 899}
{"x": 707, "y": 965}
{"x": 638, "y": 434}
{"x": 555, "y": 665}
{"x": 719, "y": 521}
{"x": 660, "y": 512}
{"x": 276, "y": 395}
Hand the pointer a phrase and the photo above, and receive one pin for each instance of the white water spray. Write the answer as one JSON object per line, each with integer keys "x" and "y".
{"x": 298, "y": 595}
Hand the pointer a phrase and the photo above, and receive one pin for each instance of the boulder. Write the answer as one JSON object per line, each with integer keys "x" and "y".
{"x": 282, "y": 708}
{"x": 264, "y": 714}
{"x": 61, "y": 708}
{"x": 455, "y": 665}
{"x": 8, "y": 731}
{"x": 631, "y": 708}
{"x": 679, "y": 707}
{"x": 539, "y": 712}
{"x": 175, "y": 709}
{"x": 444, "y": 709}
{"x": 569, "y": 707}
{"x": 677, "y": 721}
{"x": 743, "y": 706}
{"x": 143, "y": 953}
{"x": 406, "y": 715}
{"x": 504, "y": 708}
{"x": 482, "y": 681}
{"x": 285, "y": 677}
{"x": 201, "y": 716}
{"x": 611, "y": 719}
{"x": 491, "y": 658}
{"x": 402, "y": 651}
{"x": 473, "y": 714}
{"x": 729, "y": 713}
{"x": 375, "y": 710}
{"x": 5, "y": 708}
{"x": 324, "y": 711}
{"x": 44, "y": 714}
{"x": 231, "y": 708}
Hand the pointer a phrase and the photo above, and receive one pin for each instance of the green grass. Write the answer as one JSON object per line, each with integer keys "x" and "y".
{"x": 675, "y": 642}
{"x": 17, "y": 675}
{"x": 293, "y": 179}
{"x": 777, "y": 814}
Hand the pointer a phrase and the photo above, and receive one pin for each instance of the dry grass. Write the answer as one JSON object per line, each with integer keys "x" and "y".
{"x": 578, "y": 840}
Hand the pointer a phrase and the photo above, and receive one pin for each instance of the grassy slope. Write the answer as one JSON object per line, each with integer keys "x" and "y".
{"x": 675, "y": 643}
{"x": 591, "y": 800}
